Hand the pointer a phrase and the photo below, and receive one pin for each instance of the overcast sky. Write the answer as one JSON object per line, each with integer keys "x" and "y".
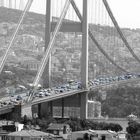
{"x": 127, "y": 12}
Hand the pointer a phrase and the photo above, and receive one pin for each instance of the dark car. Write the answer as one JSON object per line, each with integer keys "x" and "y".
{"x": 19, "y": 98}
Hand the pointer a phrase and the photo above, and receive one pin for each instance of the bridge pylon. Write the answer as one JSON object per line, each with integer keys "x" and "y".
{"x": 84, "y": 56}
{"x": 81, "y": 27}
{"x": 47, "y": 70}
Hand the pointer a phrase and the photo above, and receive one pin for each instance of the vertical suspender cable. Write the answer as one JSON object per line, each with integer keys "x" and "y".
{"x": 15, "y": 5}
{"x": 28, "y": 5}
{"x": 94, "y": 40}
{"x": 95, "y": 11}
{"x": 45, "y": 58}
{"x": 119, "y": 30}
{"x": 103, "y": 52}
{"x": 48, "y": 50}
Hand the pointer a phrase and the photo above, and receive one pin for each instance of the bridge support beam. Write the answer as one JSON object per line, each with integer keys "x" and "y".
{"x": 43, "y": 109}
{"x": 84, "y": 106}
{"x": 62, "y": 107}
{"x": 39, "y": 111}
{"x": 83, "y": 28}
{"x": 26, "y": 110}
{"x": 71, "y": 106}
{"x": 84, "y": 56}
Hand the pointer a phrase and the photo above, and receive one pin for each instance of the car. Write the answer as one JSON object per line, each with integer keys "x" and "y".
{"x": 47, "y": 94}
{"x": 19, "y": 98}
{"x": 10, "y": 103}
{"x": 4, "y": 103}
{"x": 59, "y": 90}
{"x": 41, "y": 94}
{"x": 36, "y": 95}
{"x": 138, "y": 75}
{"x": 12, "y": 95}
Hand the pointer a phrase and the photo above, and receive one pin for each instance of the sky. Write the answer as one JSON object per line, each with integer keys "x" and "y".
{"x": 126, "y": 12}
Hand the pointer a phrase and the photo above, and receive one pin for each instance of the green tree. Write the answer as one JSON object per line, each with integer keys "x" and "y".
{"x": 133, "y": 127}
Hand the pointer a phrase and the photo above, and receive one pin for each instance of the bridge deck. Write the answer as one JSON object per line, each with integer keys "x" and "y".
{"x": 8, "y": 108}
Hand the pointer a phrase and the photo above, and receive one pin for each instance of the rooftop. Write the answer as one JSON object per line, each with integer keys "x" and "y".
{"x": 55, "y": 126}
{"x": 30, "y": 133}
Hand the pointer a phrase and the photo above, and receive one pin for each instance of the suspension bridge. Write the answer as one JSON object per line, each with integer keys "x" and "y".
{"x": 87, "y": 23}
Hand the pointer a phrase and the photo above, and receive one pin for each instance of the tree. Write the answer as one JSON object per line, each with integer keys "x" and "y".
{"x": 86, "y": 136}
{"x": 75, "y": 124}
{"x": 25, "y": 119}
{"x": 114, "y": 127}
{"x": 133, "y": 127}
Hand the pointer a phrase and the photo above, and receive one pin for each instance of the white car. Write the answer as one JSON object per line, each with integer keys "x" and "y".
{"x": 41, "y": 94}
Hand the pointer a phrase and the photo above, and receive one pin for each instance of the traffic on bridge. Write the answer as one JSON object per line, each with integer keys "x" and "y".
{"x": 84, "y": 49}
{"x": 69, "y": 88}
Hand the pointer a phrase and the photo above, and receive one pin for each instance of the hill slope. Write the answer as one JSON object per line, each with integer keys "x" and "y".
{"x": 29, "y": 46}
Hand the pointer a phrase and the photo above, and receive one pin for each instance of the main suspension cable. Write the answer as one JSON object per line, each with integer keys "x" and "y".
{"x": 49, "y": 48}
{"x": 94, "y": 40}
{"x": 28, "y": 5}
{"x": 119, "y": 30}
{"x": 103, "y": 51}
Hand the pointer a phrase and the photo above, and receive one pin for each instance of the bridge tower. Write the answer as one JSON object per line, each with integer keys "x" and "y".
{"x": 84, "y": 56}
{"x": 47, "y": 71}
{"x": 69, "y": 27}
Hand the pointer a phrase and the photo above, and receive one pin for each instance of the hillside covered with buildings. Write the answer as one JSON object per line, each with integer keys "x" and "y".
{"x": 27, "y": 51}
